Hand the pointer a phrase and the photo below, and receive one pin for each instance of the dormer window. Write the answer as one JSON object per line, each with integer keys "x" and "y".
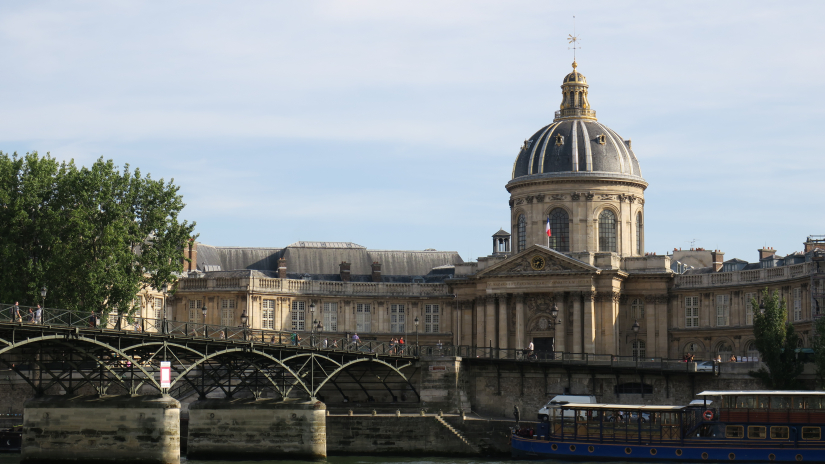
{"x": 559, "y": 140}
{"x": 601, "y": 139}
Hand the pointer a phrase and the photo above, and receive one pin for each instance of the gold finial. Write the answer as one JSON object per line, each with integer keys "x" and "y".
{"x": 573, "y": 39}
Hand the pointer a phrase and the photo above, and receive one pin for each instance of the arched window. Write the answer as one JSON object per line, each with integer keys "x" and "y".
{"x": 724, "y": 351}
{"x": 693, "y": 348}
{"x": 639, "y": 233}
{"x": 607, "y": 231}
{"x": 522, "y": 232}
{"x": 638, "y": 348}
{"x": 559, "y": 239}
{"x": 752, "y": 353}
{"x": 637, "y": 309}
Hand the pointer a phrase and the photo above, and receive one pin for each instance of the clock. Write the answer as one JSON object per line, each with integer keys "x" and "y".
{"x": 537, "y": 263}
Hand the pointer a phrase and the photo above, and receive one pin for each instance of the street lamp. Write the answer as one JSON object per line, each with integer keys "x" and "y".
{"x": 415, "y": 321}
{"x": 244, "y": 320}
{"x": 554, "y": 313}
{"x": 319, "y": 328}
{"x": 164, "y": 288}
{"x": 203, "y": 310}
{"x": 42, "y": 304}
{"x": 635, "y": 328}
{"x": 312, "y": 328}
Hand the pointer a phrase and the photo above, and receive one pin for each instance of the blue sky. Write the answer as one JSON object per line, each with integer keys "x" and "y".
{"x": 394, "y": 125}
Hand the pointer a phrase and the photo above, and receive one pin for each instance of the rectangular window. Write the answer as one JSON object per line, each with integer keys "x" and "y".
{"x": 722, "y": 310}
{"x": 432, "y": 317}
{"x": 692, "y": 311}
{"x": 195, "y": 304}
{"x": 299, "y": 316}
{"x": 268, "y": 314}
{"x": 228, "y": 304}
{"x": 363, "y": 318}
{"x": 811, "y": 433}
{"x": 797, "y": 304}
{"x": 734, "y": 431}
{"x": 331, "y": 317}
{"x": 158, "y": 305}
{"x": 779, "y": 433}
{"x": 195, "y": 315}
{"x": 227, "y": 317}
{"x": 749, "y": 297}
{"x": 757, "y": 431}
{"x": 398, "y": 319}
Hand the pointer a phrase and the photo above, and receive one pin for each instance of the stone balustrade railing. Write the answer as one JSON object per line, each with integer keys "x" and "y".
{"x": 314, "y": 287}
{"x": 722, "y": 279}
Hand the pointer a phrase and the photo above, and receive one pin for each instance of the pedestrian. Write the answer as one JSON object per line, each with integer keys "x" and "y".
{"x": 325, "y": 344}
{"x": 294, "y": 338}
{"x": 14, "y": 313}
{"x": 335, "y": 344}
{"x": 516, "y": 414}
{"x": 732, "y": 358}
{"x": 355, "y": 339}
{"x": 38, "y": 315}
{"x": 30, "y": 317}
{"x": 92, "y": 319}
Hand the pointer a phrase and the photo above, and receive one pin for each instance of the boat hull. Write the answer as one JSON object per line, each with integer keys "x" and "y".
{"x": 524, "y": 448}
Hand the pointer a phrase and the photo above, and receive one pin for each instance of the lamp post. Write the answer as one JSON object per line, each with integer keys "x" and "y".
{"x": 319, "y": 328}
{"x": 164, "y": 288}
{"x": 415, "y": 321}
{"x": 635, "y": 328}
{"x": 244, "y": 320}
{"x": 554, "y": 313}
{"x": 312, "y": 328}
{"x": 203, "y": 310}
{"x": 42, "y": 304}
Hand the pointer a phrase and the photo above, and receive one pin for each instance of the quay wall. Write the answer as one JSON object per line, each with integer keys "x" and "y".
{"x": 118, "y": 429}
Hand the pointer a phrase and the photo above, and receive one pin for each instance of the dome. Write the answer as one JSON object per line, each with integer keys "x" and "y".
{"x": 575, "y": 143}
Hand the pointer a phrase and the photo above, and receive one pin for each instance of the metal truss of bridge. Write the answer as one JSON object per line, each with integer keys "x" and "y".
{"x": 64, "y": 353}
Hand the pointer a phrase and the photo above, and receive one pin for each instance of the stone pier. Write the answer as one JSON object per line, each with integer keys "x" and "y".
{"x": 117, "y": 429}
{"x": 262, "y": 429}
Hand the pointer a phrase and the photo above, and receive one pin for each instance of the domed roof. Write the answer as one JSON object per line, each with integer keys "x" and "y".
{"x": 575, "y": 143}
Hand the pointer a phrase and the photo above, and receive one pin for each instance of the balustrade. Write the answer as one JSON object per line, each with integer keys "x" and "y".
{"x": 739, "y": 277}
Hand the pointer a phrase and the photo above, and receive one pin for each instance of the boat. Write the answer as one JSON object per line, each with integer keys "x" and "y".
{"x": 743, "y": 426}
{"x": 11, "y": 439}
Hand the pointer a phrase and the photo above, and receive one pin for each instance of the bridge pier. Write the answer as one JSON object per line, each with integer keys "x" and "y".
{"x": 256, "y": 429}
{"x": 121, "y": 429}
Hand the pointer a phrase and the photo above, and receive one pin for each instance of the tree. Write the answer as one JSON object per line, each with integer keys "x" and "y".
{"x": 776, "y": 341}
{"x": 93, "y": 236}
{"x": 818, "y": 345}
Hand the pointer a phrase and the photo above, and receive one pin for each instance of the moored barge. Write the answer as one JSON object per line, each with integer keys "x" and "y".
{"x": 743, "y": 426}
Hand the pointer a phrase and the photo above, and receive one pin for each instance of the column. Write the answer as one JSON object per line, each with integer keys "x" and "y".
{"x": 467, "y": 324}
{"x": 577, "y": 323}
{"x": 490, "y": 321}
{"x": 651, "y": 310}
{"x": 519, "y": 321}
{"x": 502, "y": 321}
{"x": 589, "y": 324}
{"x": 480, "y": 313}
{"x": 560, "y": 329}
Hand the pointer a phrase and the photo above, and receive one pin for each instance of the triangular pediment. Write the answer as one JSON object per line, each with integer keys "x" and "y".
{"x": 538, "y": 260}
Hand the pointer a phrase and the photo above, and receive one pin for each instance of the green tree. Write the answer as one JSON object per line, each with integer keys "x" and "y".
{"x": 776, "y": 341}
{"x": 818, "y": 345}
{"x": 93, "y": 236}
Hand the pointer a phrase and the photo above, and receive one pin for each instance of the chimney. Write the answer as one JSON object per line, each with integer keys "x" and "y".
{"x": 345, "y": 271}
{"x": 192, "y": 254}
{"x": 717, "y": 257}
{"x": 282, "y": 268}
{"x": 766, "y": 252}
{"x": 376, "y": 272}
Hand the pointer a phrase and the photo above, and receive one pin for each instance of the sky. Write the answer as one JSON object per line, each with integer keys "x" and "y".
{"x": 395, "y": 124}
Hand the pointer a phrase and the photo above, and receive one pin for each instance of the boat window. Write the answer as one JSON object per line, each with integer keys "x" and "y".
{"x": 763, "y": 402}
{"x": 811, "y": 433}
{"x": 745, "y": 401}
{"x": 780, "y": 402}
{"x": 581, "y": 415}
{"x": 779, "y": 433}
{"x": 727, "y": 401}
{"x": 800, "y": 402}
{"x": 670, "y": 418}
{"x": 735, "y": 431}
{"x": 815, "y": 402}
{"x": 757, "y": 431}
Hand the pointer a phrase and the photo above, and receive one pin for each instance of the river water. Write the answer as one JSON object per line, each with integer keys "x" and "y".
{"x": 15, "y": 459}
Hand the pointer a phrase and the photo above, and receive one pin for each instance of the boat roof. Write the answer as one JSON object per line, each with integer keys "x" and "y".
{"x": 623, "y": 407}
{"x": 761, "y": 392}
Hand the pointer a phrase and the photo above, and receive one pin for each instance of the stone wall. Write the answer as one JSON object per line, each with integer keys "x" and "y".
{"x": 122, "y": 429}
{"x": 262, "y": 429}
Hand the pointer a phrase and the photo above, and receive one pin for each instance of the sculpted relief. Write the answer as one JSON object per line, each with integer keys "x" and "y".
{"x": 524, "y": 266}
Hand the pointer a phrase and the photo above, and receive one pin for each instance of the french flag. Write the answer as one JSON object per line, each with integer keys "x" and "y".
{"x": 549, "y": 234}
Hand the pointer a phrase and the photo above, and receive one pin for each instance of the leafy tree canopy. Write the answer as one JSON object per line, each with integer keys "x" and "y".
{"x": 776, "y": 341}
{"x": 93, "y": 236}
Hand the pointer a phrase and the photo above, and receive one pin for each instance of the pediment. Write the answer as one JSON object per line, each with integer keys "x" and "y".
{"x": 523, "y": 264}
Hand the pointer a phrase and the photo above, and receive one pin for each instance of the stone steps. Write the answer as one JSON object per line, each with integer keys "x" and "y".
{"x": 458, "y": 434}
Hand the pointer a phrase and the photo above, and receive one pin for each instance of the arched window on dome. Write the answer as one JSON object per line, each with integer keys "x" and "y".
{"x": 559, "y": 238}
{"x": 607, "y": 231}
{"x": 639, "y": 233}
{"x": 522, "y": 232}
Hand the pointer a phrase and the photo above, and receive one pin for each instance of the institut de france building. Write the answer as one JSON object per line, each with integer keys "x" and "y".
{"x": 584, "y": 179}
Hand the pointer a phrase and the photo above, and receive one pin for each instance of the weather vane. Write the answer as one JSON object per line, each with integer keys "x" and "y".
{"x": 573, "y": 40}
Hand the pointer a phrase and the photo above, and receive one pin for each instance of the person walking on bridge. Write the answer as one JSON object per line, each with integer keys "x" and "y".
{"x": 38, "y": 315}
{"x": 14, "y": 312}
